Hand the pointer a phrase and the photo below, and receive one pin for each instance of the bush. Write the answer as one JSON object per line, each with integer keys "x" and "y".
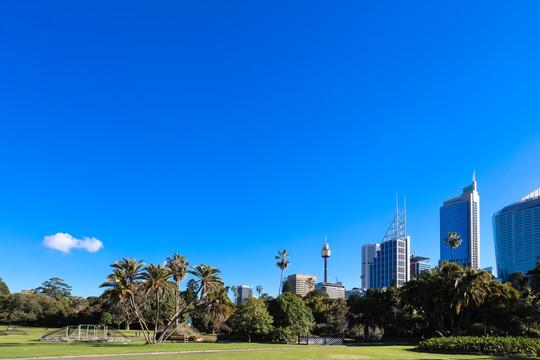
{"x": 482, "y": 345}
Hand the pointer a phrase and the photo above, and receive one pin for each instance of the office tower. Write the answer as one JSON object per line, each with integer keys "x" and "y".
{"x": 419, "y": 264}
{"x": 516, "y": 230}
{"x": 301, "y": 284}
{"x": 244, "y": 293}
{"x": 390, "y": 266}
{"x": 333, "y": 290}
{"x": 462, "y": 215}
{"x": 368, "y": 254}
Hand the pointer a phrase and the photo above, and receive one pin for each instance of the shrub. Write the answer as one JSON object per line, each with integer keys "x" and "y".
{"x": 482, "y": 345}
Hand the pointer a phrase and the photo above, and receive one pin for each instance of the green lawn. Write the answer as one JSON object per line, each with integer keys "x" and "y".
{"x": 16, "y": 346}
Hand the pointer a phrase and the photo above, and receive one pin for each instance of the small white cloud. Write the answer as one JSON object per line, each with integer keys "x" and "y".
{"x": 64, "y": 242}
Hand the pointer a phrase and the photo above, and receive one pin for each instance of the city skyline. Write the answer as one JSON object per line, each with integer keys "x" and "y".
{"x": 226, "y": 132}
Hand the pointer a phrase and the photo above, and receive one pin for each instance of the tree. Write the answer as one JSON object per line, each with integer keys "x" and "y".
{"x": 207, "y": 279}
{"x": 178, "y": 266}
{"x": 156, "y": 279}
{"x": 282, "y": 263}
{"x": 4, "y": 290}
{"x": 292, "y": 317}
{"x": 259, "y": 290}
{"x": 251, "y": 319}
{"x": 219, "y": 307}
{"x": 106, "y": 319}
{"x": 236, "y": 293}
{"x": 535, "y": 277}
{"x": 330, "y": 315}
{"x": 453, "y": 240}
{"x": 54, "y": 287}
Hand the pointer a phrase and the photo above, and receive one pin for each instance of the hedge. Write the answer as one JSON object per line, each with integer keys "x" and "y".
{"x": 482, "y": 345}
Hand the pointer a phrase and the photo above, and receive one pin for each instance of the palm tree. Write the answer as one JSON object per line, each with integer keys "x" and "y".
{"x": 218, "y": 306}
{"x": 124, "y": 284}
{"x": 453, "y": 240}
{"x": 282, "y": 262}
{"x": 259, "y": 290}
{"x": 157, "y": 280}
{"x": 207, "y": 279}
{"x": 178, "y": 266}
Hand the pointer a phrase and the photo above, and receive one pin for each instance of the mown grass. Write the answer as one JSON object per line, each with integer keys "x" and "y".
{"x": 18, "y": 346}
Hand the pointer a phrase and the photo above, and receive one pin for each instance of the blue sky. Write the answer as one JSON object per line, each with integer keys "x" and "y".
{"x": 228, "y": 131}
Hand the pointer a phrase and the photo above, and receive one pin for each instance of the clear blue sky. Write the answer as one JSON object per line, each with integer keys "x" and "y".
{"x": 229, "y": 130}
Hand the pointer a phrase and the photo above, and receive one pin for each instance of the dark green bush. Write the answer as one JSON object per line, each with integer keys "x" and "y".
{"x": 482, "y": 345}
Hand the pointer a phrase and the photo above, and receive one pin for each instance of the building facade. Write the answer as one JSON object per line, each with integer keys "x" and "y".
{"x": 369, "y": 251}
{"x": 301, "y": 284}
{"x": 516, "y": 230}
{"x": 391, "y": 264}
{"x": 462, "y": 215}
{"x": 244, "y": 293}
{"x": 333, "y": 290}
{"x": 419, "y": 265}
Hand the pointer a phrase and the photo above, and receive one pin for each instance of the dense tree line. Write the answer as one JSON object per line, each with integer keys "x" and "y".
{"x": 447, "y": 300}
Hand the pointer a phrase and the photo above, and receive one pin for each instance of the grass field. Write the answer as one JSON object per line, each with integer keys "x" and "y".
{"x": 20, "y": 346}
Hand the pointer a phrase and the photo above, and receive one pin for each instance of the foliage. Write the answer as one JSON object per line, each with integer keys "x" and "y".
{"x": 54, "y": 287}
{"x": 482, "y": 345}
{"x": 292, "y": 317}
{"x": 453, "y": 240}
{"x": 4, "y": 289}
{"x": 330, "y": 315}
{"x": 251, "y": 319}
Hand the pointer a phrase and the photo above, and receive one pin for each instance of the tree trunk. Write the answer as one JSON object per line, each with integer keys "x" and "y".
{"x": 249, "y": 337}
{"x": 281, "y": 282}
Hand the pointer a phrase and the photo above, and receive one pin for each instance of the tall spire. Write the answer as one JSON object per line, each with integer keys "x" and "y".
{"x": 474, "y": 180}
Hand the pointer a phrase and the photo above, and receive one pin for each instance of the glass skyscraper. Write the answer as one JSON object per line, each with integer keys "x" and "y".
{"x": 516, "y": 230}
{"x": 391, "y": 264}
{"x": 462, "y": 215}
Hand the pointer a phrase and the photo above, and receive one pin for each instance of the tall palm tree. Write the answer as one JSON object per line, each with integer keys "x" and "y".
{"x": 218, "y": 306}
{"x": 178, "y": 265}
{"x": 259, "y": 290}
{"x": 453, "y": 240}
{"x": 157, "y": 280}
{"x": 123, "y": 284}
{"x": 207, "y": 279}
{"x": 282, "y": 263}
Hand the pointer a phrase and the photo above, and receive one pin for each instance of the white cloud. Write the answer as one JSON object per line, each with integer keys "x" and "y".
{"x": 64, "y": 242}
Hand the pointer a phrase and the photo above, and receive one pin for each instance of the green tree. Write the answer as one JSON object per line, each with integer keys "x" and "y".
{"x": 259, "y": 290}
{"x": 251, "y": 319}
{"x": 535, "y": 277}
{"x": 54, "y": 287}
{"x": 282, "y": 263}
{"x": 106, "y": 318}
{"x": 4, "y": 289}
{"x": 292, "y": 317}
{"x": 218, "y": 307}
{"x": 207, "y": 278}
{"x": 178, "y": 266}
{"x": 156, "y": 279}
{"x": 453, "y": 240}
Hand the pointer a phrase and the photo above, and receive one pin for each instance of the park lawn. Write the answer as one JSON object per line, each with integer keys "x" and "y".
{"x": 17, "y": 346}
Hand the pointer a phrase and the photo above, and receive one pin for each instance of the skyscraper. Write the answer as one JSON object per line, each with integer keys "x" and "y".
{"x": 516, "y": 229}
{"x": 244, "y": 293}
{"x": 302, "y": 284}
{"x": 390, "y": 266}
{"x": 369, "y": 251}
{"x": 419, "y": 264}
{"x": 462, "y": 215}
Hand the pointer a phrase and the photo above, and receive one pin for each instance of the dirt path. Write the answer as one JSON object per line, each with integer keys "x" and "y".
{"x": 151, "y": 354}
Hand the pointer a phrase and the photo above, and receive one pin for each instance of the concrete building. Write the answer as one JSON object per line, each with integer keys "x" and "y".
{"x": 516, "y": 230}
{"x": 333, "y": 290}
{"x": 419, "y": 264}
{"x": 369, "y": 251}
{"x": 244, "y": 293}
{"x": 390, "y": 266}
{"x": 462, "y": 215}
{"x": 301, "y": 284}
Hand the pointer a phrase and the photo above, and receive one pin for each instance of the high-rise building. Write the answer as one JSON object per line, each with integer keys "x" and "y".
{"x": 419, "y": 264}
{"x": 516, "y": 229}
{"x": 390, "y": 266}
{"x": 369, "y": 251}
{"x": 301, "y": 284}
{"x": 244, "y": 293}
{"x": 462, "y": 215}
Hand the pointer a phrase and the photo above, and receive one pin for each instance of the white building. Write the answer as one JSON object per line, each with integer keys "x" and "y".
{"x": 369, "y": 251}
